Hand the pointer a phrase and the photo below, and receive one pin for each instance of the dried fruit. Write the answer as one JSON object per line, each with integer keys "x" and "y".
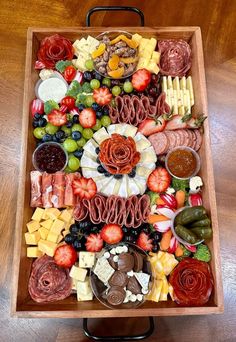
{"x": 130, "y": 42}
{"x": 129, "y": 60}
{"x": 114, "y": 62}
{"x": 118, "y": 73}
{"x": 99, "y": 51}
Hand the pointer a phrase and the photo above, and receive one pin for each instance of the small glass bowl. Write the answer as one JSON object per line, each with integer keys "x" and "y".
{"x": 186, "y": 148}
{"x": 42, "y": 146}
{"x": 172, "y": 226}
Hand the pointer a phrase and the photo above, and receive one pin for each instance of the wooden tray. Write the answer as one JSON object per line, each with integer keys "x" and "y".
{"x": 22, "y": 304}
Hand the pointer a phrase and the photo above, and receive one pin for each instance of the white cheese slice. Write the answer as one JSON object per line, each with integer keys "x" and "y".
{"x": 52, "y": 89}
{"x": 92, "y": 173}
{"x": 120, "y": 128}
{"x": 130, "y": 130}
{"x": 101, "y": 135}
{"x": 142, "y": 143}
{"x": 90, "y": 146}
{"x": 111, "y": 129}
{"x": 123, "y": 191}
{"x": 86, "y": 161}
{"x": 102, "y": 183}
{"x": 143, "y": 171}
{"x": 148, "y": 155}
{"x": 141, "y": 183}
{"x": 132, "y": 188}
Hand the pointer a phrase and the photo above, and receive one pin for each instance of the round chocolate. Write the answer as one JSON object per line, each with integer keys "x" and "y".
{"x": 118, "y": 279}
{"x": 125, "y": 262}
{"x": 112, "y": 262}
{"x": 134, "y": 286}
{"x": 116, "y": 295}
{"x": 138, "y": 261}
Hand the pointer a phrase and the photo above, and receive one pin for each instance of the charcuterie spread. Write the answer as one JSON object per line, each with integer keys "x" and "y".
{"x": 118, "y": 213}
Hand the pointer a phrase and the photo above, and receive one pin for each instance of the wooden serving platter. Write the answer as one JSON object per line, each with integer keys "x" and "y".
{"x": 22, "y": 304}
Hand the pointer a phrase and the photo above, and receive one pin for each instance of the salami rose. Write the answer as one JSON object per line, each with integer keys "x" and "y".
{"x": 118, "y": 154}
{"x": 53, "y": 49}
{"x": 192, "y": 282}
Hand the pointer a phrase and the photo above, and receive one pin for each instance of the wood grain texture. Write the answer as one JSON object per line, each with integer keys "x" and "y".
{"x": 217, "y": 21}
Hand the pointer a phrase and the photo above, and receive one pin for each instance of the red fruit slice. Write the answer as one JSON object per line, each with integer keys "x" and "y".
{"x": 69, "y": 73}
{"x": 141, "y": 79}
{"x": 112, "y": 233}
{"x": 84, "y": 187}
{"x": 144, "y": 242}
{"x": 94, "y": 243}
{"x": 65, "y": 256}
{"x": 159, "y": 180}
{"x": 57, "y": 118}
{"x": 151, "y": 126}
{"x": 69, "y": 102}
{"x": 176, "y": 122}
{"x": 87, "y": 118}
{"x": 102, "y": 96}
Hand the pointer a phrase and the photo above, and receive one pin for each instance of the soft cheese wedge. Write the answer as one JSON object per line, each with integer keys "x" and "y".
{"x": 101, "y": 135}
{"x": 86, "y": 161}
{"x": 142, "y": 143}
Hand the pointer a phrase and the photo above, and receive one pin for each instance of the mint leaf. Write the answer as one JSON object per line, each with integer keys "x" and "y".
{"x": 49, "y": 106}
{"x": 74, "y": 89}
{"x": 61, "y": 65}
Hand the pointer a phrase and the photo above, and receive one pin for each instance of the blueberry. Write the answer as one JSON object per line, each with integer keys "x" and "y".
{"x": 118, "y": 176}
{"x": 81, "y": 107}
{"x": 156, "y": 236}
{"x": 97, "y": 150}
{"x": 42, "y": 122}
{"x": 69, "y": 124}
{"x": 101, "y": 169}
{"x": 85, "y": 224}
{"x": 60, "y": 134}
{"x": 134, "y": 233}
{"x": 76, "y": 135}
{"x": 88, "y": 76}
{"x": 105, "y": 110}
{"x": 99, "y": 114}
{"x": 98, "y": 76}
{"x": 95, "y": 230}
{"x": 78, "y": 245}
{"x": 107, "y": 174}
{"x": 74, "y": 229}
{"x": 78, "y": 153}
{"x": 125, "y": 229}
{"x": 132, "y": 174}
{"x": 96, "y": 107}
{"x": 35, "y": 123}
{"x": 47, "y": 137}
{"x": 115, "y": 83}
{"x": 54, "y": 138}
{"x": 37, "y": 116}
{"x": 129, "y": 238}
{"x": 98, "y": 160}
{"x": 75, "y": 118}
{"x": 145, "y": 229}
{"x": 69, "y": 239}
{"x": 155, "y": 248}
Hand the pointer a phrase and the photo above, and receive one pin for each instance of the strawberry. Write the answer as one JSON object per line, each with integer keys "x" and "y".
{"x": 69, "y": 73}
{"x": 112, "y": 233}
{"x": 176, "y": 122}
{"x": 94, "y": 243}
{"x": 65, "y": 256}
{"x": 196, "y": 122}
{"x": 84, "y": 187}
{"x": 57, "y": 118}
{"x": 37, "y": 106}
{"x": 87, "y": 118}
{"x": 144, "y": 242}
{"x": 141, "y": 79}
{"x": 151, "y": 126}
{"x": 159, "y": 180}
{"x": 68, "y": 101}
{"x": 102, "y": 96}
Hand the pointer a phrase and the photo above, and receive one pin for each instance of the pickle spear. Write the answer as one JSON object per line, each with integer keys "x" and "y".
{"x": 186, "y": 234}
{"x": 190, "y": 215}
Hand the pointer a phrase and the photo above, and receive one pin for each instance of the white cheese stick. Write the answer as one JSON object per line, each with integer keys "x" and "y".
{"x": 189, "y": 85}
{"x": 164, "y": 84}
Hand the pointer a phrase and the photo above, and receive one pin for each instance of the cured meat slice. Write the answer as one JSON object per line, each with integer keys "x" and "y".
{"x": 58, "y": 189}
{"x": 47, "y": 181}
{"x": 198, "y": 139}
{"x": 160, "y": 142}
{"x": 172, "y": 138}
{"x": 36, "y": 184}
{"x": 80, "y": 212}
{"x": 48, "y": 282}
{"x": 69, "y": 198}
{"x": 162, "y": 106}
{"x": 120, "y": 210}
{"x": 144, "y": 206}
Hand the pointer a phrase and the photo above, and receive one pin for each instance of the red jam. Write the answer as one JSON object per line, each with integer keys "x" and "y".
{"x": 182, "y": 163}
{"x": 50, "y": 158}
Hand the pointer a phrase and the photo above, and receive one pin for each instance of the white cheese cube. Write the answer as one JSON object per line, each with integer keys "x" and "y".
{"x": 86, "y": 259}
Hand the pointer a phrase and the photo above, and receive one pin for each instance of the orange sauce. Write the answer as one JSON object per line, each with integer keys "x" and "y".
{"x": 182, "y": 163}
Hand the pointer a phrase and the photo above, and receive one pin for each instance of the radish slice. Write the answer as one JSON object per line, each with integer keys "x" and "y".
{"x": 173, "y": 245}
{"x": 192, "y": 249}
{"x": 166, "y": 212}
{"x": 162, "y": 226}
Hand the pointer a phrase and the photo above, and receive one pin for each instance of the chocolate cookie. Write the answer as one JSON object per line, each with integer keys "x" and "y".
{"x": 116, "y": 295}
{"x": 125, "y": 262}
{"x": 138, "y": 261}
{"x": 112, "y": 262}
{"x": 118, "y": 279}
{"x": 134, "y": 286}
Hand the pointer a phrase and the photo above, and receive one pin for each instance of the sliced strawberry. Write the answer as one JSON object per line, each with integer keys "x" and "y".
{"x": 144, "y": 242}
{"x": 87, "y": 118}
{"x": 102, "y": 96}
{"x": 94, "y": 243}
{"x": 69, "y": 73}
{"x": 151, "y": 126}
{"x": 65, "y": 256}
{"x": 196, "y": 122}
{"x": 84, "y": 187}
{"x": 112, "y": 233}
{"x": 57, "y": 118}
{"x": 37, "y": 106}
{"x": 141, "y": 79}
{"x": 68, "y": 101}
{"x": 39, "y": 65}
{"x": 176, "y": 122}
{"x": 159, "y": 180}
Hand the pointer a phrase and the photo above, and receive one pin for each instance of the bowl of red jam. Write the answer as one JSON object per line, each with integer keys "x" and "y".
{"x": 182, "y": 162}
{"x": 50, "y": 157}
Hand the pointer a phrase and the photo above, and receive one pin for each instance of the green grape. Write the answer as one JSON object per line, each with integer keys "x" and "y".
{"x": 67, "y": 169}
{"x": 39, "y": 132}
{"x": 94, "y": 84}
{"x": 81, "y": 142}
{"x": 77, "y": 127}
{"x": 106, "y": 81}
{"x": 89, "y": 64}
{"x": 73, "y": 163}
{"x": 105, "y": 121}
{"x": 116, "y": 90}
{"x": 50, "y": 128}
{"x": 113, "y": 102}
{"x": 97, "y": 126}
{"x": 128, "y": 87}
{"x": 89, "y": 100}
{"x": 66, "y": 130}
{"x": 70, "y": 145}
{"x": 87, "y": 133}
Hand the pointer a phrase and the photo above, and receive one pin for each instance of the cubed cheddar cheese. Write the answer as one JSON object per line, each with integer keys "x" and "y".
{"x": 45, "y": 215}
{"x": 32, "y": 238}
{"x": 84, "y": 287}
{"x": 81, "y": 297}
{"x": 74, "y": 284}
{"x": 43, "y": 233}
{"x": 72, "y": 221}
{"x": 86, "y": 259}
{"x": 65, "y": 216}
{"x": 78, "y": 273}
{"x": 32, "y": 226}
{"x": 52, "y": 237}
{"x": 47, "y": 247}
{"x": 53, "y": 213}
{"x": 33, "y": 252}
{"x": 37, "y": 215}
{"x": 47, "y": 224}
{"x": 57, "y": 226}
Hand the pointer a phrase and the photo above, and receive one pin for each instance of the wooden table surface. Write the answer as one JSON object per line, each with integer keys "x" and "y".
{"x": 217, "y": 21}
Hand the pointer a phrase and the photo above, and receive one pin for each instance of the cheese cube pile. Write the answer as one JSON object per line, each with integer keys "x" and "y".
{"x": 162, "y": 264}
{"x": 179, "y": 94}
{"x": 83, "y": 49}
{"x": 79, "y": 275}
{"x": 46, "y": 230}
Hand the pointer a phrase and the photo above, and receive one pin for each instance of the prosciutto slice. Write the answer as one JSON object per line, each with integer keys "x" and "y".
{"x": 36, "y": 184}
{"x": 47, "y": 180}
{"x": 58, "y": 189}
